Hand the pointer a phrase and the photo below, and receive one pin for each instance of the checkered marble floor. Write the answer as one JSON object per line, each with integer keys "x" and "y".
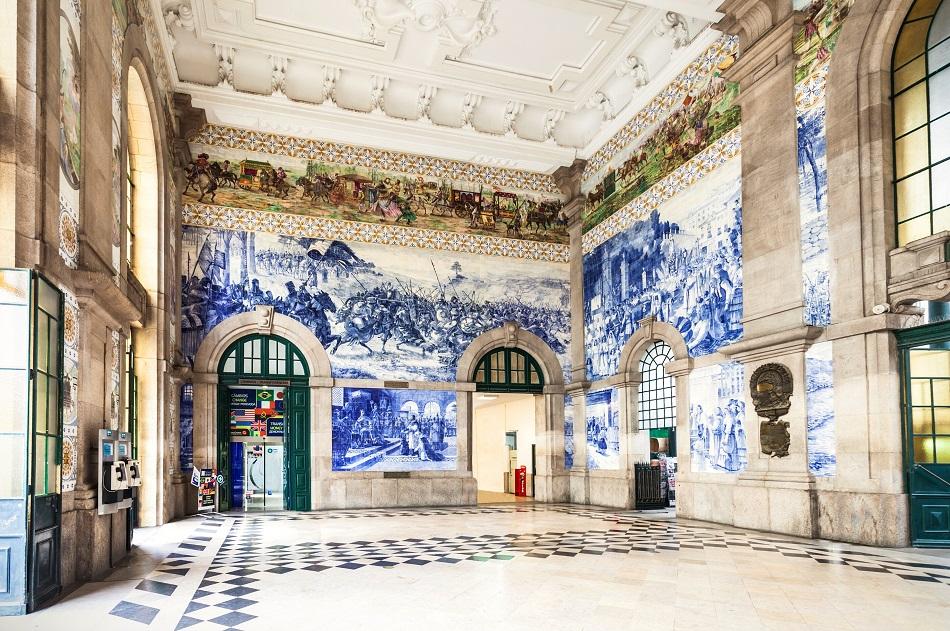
{"x": 526, "y": 566}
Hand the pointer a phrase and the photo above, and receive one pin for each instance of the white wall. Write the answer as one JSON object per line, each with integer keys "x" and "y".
{"x": 492, "y": 419}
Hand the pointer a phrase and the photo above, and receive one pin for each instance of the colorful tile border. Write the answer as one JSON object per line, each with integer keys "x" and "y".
{"x": 662, "y": 104}
{"x": 683, "y": 177}
{"x": 352, "y": 155}
{"x": 810, "y": 91}
{"x": 228, "y": 218}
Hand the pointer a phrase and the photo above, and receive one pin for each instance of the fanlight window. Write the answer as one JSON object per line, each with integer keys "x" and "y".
{"x": 508, "y": 370}
{"x": 259, "y": 355}
{"x": 656, "y": 401}
{"x": 921, "y": 86}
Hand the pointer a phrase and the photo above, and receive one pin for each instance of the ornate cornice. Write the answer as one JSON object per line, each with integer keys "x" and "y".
{"x": 749, "y": 20}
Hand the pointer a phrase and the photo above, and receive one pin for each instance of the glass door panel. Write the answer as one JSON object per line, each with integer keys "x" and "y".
{"x": 274, "y": 477}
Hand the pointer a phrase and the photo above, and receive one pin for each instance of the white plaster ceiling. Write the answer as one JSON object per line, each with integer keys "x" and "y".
{"x": 520, "y": 83}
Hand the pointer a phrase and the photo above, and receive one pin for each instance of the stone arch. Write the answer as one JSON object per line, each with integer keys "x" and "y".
{"x": 551, "y": 481}
{"x": 511, "y": 335}
{"x": 265, "y": 321}
{"x": 648, "y": 332}
{"x": 144, "y": 149}
{"x": 860, "y": 156}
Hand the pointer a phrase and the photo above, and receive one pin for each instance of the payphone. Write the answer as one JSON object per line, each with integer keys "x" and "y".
{"x": 119, "y": 475}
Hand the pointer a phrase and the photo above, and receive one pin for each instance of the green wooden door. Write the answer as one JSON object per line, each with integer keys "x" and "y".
{"x": 297, "y": 449}
{"x": 224, "y": 448}
{"x": 273, "y": 361}
{"x": 925, "y": 373}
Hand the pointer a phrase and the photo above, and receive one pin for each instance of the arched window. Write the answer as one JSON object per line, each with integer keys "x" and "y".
{"x": 267, "y": 356}
{"x": 656, "y": 401}
{"x": 921, "y": 88}
{"x": 508, "y": 370}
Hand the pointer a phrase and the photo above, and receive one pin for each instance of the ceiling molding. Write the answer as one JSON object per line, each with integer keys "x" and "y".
{"x": 528, "y": 81}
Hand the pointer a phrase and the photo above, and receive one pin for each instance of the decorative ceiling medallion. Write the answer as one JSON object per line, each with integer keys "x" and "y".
{"x": 227, "y": 218}
{"x": 430, "y": 15}
{"x": 719, "y": 55}
{"x": 685, "y": 176}
{"x": 350, "y": 155}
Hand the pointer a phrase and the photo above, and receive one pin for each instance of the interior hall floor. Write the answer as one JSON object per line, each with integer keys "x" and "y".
{"x": 512, "y": 567}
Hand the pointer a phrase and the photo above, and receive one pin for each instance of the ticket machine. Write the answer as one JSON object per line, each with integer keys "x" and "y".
{"x": 118, "y": 474}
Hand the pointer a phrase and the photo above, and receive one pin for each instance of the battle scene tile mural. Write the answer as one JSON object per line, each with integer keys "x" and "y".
{"x": 682, "y": 265}
{"x": 692, "y": 113}
{"x": 376, "y": 429}
{"x": 602, "y": 413}
{"x": 717, "y": 437}
{"x": 381, "y": 312}
{"x": 362, "y": 187}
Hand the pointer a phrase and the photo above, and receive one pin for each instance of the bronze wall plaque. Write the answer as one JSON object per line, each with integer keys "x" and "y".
{"x": 771, "y": 388}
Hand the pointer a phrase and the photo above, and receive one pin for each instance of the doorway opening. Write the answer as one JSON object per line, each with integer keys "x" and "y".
{"x": 505, "y": 418}
{"x": 925, "y": 403}
{"x": 263, "y": 432}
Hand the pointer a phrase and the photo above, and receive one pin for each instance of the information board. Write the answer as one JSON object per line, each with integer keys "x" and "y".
{"x": 207, "y": 489}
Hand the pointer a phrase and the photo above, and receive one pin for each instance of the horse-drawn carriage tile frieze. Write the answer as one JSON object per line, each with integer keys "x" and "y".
{"x": 452, "y": 203}
{"x": 351, "y": 155}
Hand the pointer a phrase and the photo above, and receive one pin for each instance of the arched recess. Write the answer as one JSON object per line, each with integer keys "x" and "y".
{"x": 264, "y": 321}
{"x": 637, "y": 345}
{"x": 551, "y": 481}
{"x": 649, "y": 331}
{"x": 861, "y": 218}
{"x": 144, "y": 221}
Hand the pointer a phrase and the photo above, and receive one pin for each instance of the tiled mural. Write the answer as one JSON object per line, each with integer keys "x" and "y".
{"x": 814, "y": 44}
{"x": 70, "y": 147}
{"x": 568, "y": 431}
{"x": 681, "y": 264}
{"x": 820, "y": 403}
{"x": 693, "y": 112}
{"x": 242, "y": 169}
{"x": 382, "y": 312}
{"x": 717, "y": 437}
{"x": 115, "y": 380}
{"x": 602, "y": 412}
{"x": 377, "y": 429}
{"x": 186, "y": 426}
{"x": 387, "y": 234}
{"x": 70, "y": 388}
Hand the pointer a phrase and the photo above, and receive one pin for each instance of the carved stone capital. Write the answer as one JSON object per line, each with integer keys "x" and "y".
{"x": 920, "y": 270}
{"x": 751, "y": 19}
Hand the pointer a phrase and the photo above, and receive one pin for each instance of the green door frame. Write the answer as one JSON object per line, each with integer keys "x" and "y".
{"x": 928, "y": 484}
{"x": 508, "y": 370}
{"x": 263, "y": 366}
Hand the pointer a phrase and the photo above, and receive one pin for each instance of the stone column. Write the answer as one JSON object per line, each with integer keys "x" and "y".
{"x": 773, "y": 493}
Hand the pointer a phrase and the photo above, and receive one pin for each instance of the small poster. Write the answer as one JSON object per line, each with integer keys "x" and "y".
{"x": 257, "y": 412}
{"x": 207, "y": 488}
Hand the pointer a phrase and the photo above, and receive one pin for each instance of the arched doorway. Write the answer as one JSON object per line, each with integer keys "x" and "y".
{"x": 263, "y": 425}
{"x": 508, "y": 384}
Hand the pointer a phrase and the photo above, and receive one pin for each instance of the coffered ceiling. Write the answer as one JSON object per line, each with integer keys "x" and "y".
{"x": 531, "y": 84}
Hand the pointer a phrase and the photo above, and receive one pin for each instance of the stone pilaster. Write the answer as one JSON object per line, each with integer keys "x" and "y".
{"x": 776, "y": 494}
